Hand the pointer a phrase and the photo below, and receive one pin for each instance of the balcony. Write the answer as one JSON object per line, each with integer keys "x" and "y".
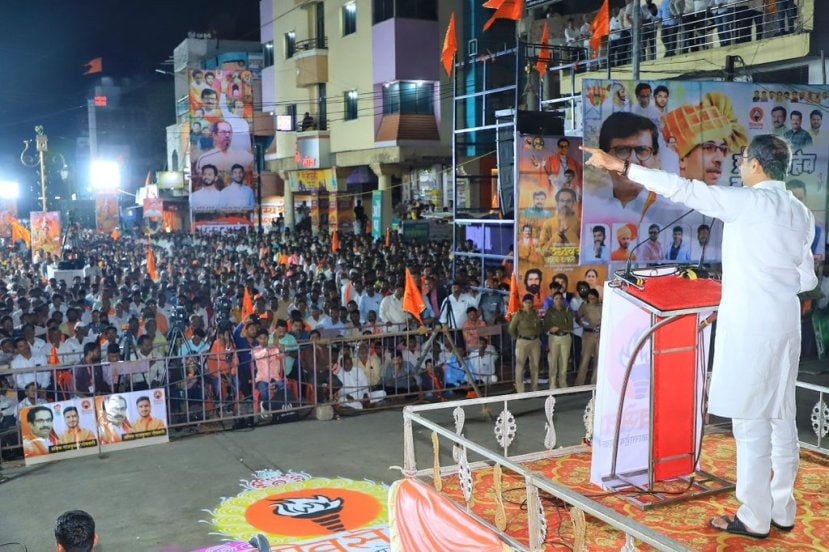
{"x": 311, "y": 57}
{"x": 699, "y": 43}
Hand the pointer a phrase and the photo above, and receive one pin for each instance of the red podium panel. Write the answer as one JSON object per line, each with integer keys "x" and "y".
{"x": 652, "y": 366}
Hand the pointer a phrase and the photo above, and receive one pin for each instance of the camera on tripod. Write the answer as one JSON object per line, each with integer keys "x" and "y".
{"x": 179, "y": 319}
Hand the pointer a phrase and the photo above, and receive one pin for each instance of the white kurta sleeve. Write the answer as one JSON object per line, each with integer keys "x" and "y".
{"x": 724, "y": 203}
{"x": 806, "y": 267}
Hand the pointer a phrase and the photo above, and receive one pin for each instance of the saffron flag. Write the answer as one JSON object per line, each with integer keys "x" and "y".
{"x": 514, "y": 298}
{"x": 20, "y": 232}
{"x": 412, "y": 299}
{"x": 600, "y": 27}
{"x": 152, "y": 270}
{"x": 94, "y": 66}
{"x": 545, "y": 54}
{"x": 335, "y": 242}
{"x": 247, "y": 304}
{"x": 450, "y": 46}
{"x": 388, "y": 238}
{"x": 504, "y": 9}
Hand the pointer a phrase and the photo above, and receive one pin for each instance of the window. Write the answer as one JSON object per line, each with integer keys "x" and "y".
{"x": 383, "y": 9}
{"x": 349, "y": 18}
{"x": 350, "y": 99}
{"x": 290, "y": 110}
{"x": 409, "y": 98}
{"x": 417, "y": 9}
{"x": 268, "y": 54}
{"x": 290, "y": 44}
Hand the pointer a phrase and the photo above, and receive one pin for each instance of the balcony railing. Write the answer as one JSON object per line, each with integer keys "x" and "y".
{"x": 318, "y": 43}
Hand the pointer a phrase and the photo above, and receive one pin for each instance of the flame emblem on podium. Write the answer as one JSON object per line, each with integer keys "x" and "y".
{"x": 321, "y": 510}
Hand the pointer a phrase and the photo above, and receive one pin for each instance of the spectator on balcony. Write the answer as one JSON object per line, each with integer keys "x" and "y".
{"x": 786, "y": 16}
{"x": 650, "y": 17}
{"x": 617, "y": 43}
{"x": 724, "y": 19}
{"x": 798, "y": 137}
{"x": 307, "y": 122}
{"x": 746, "y": 12}
{"x": 695, "y": 24}
{"x": 670, "y": 26}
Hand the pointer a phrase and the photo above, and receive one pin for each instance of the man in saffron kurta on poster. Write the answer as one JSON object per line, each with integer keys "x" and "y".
{"x": 767, "y": 261}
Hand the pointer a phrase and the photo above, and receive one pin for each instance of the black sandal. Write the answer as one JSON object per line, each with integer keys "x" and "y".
{"x": 736, "y": 527}
{"x": 784, "y": 528}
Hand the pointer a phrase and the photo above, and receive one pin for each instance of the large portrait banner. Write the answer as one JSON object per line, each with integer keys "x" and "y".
{"x": 58, "y": 430}
{"x": 134, "y": 419}
{"x": 696, "y": 130}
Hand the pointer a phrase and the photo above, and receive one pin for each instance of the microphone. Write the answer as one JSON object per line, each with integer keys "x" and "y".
{"x": 628, "y": 275}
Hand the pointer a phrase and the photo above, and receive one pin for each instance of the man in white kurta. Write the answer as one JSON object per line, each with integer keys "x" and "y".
{"x": 767, "y": 261}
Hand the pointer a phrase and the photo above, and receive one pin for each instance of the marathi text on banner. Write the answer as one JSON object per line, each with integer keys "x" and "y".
{"x": 58, "y": 430}
{"x": 134, "y": 419}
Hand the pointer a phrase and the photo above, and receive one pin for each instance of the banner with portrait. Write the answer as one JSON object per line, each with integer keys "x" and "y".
{"x": 8, "y": 214}
{"x": 696, "y": 130}
{"x": 58, "y": 430}
{"x": 106, "y": 213}
{"x": 221, "y": 176}
{"x": 313, "y": 181}
{"x": 46, "y": 234}
{"x": 130, "y": 420}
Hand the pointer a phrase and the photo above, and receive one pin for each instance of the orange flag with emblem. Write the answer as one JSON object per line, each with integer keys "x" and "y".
{"x": 450, "y": 46}
{"x": 412, "y": 299}
{"x": 335, "y": 242}
{"x": 514, "y": 299}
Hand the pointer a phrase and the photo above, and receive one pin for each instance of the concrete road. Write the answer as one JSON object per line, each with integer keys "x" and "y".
{"x": 153, "y": 498}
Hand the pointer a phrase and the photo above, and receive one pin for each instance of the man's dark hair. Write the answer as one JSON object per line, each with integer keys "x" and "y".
{"x": 816, "y": 112}
{"x": 624, "y": 125}
{"x": 237, "y": 166}
{"x": 69, "y": 409}
{"x": 565, "y": 191}
{"x": 678, "y": 229}
{"x": 213, "y": 167}
{"x": 779, "y": 108}
{"x": 142, "y": 398}
{"x": 641, "y": 86}
{"x": 75, "y": 531}
{"x": 533, "y": 271}
{"x": 703, "y": 227}
{"x": 773, "y": 153}
{"x": 796, "y": 112}
{"x": 89, "y": 347}
{"x": 30, "y": 415}
{"x": 661, "y": 88}
{"x": 795, "y": 184}
{"x": 207, "y": 92}
{"x": 563, "y": 140}
{"x": 599, "y": 228}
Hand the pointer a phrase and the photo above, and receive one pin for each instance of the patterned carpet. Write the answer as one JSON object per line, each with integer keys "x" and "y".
{"x": 685, "y": 522}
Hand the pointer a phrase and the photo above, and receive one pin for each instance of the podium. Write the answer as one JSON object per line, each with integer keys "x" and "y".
{"x": 649, "y": 405}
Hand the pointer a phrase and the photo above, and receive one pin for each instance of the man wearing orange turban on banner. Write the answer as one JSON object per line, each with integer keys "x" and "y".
{"x": 624, "y": 235}
{"x": 705, "y": 136}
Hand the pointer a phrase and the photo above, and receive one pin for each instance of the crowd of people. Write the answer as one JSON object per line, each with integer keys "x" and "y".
{"x": 322, "y": 322}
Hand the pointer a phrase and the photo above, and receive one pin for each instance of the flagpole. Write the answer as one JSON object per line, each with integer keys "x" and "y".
{"x": 454, "y": 160}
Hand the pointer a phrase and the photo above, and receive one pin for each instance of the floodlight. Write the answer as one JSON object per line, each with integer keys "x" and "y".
{"x": 105, "y": 175}
{"x": 9, "y": 190}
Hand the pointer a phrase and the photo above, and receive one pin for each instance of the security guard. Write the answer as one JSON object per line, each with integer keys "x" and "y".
{"x": 525, "y": 329}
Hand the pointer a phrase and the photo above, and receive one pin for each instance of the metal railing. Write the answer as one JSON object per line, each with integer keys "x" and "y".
{"x": 505, "y": 429}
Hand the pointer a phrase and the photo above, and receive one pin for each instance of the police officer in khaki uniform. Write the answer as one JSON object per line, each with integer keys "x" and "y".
{"x": 590, "y": 318}
{"x": 525, "y": 329}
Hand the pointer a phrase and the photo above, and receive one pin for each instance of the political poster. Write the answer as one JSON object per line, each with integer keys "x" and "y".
{"x": 8, "y": 214}
{"x": 696, "y": 130}
{"x": 58, "y": 430}
{"x": 46, "y": 235}
{"x": 133, "y": 419}
{"x": 106, "y": 213}
{"x": 221, "y": 176}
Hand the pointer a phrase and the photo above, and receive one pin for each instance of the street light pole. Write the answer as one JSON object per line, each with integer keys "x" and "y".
{"x": 42, "y": 148}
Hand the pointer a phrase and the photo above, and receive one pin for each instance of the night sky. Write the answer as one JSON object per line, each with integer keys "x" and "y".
{"x": 44, "y": 45}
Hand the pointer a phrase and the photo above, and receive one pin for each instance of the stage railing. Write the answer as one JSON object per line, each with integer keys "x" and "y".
{"x": 818, "y": 417}
{"x": 505, "y": 430}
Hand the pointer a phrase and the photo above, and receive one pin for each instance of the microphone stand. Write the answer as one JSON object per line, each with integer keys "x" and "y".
{"x": 627, "y": 275}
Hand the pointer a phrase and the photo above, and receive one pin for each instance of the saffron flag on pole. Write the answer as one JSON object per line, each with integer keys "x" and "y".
{"x": 600, "y": 28}
{"x": 388, "y": 238}
{"x": 20, "y": 232}
{"x": 335, "y": 242}
{"x": 247, "y": 304}
{"x": 412, "y": 299}
{"x": 545, "y": 54}
{"x": 94, "y": 66}
{"x": 450, "y": 46}
{"x": 504, "y": 9}
{"x": 514, "y": 299}
{"x": 152, "y": 270}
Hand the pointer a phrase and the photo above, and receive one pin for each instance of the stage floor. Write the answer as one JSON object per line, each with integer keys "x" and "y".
{"x": 685, "y": 522}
